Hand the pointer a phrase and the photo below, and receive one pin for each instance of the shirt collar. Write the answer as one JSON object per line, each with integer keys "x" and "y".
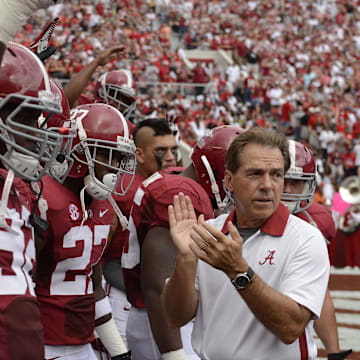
{"x": 274, "y": 225}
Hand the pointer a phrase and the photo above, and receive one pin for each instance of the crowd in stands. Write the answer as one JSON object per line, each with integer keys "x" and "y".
{"x": 296, "y": 66}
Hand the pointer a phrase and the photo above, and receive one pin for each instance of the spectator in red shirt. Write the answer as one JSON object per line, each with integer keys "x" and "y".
{"x": 199, "y": 77}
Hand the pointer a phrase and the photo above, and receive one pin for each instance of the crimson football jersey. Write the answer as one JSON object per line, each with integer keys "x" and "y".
{"x": 17, "y": 249}
{"x": 63, "y": 279}
{"x": 322, "y": 218}
{"x": 150, "y": 209}
{"x": 84, "y": 99}
{"x": 20, "y": 325}
{"x": 124, "y": 202}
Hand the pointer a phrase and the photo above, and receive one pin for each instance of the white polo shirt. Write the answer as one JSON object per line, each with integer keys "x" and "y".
{"x": 289, "y": 255}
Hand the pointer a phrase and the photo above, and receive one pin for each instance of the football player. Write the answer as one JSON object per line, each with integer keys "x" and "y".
{"x": 26, "y": 153}
{"x": 155, "y": 150}
{"x": 80, "y": 215}
{"x": 150, "y": 253}
{"x": 117, "y": 88}
{"x": 299, "y": 189}
{"x": 109, "y": 84}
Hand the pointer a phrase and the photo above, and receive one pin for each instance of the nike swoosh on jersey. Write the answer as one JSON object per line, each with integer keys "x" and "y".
{"x": 102, "y": 213}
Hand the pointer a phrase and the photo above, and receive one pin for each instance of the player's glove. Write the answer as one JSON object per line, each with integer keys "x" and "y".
{"x": 340, "y": 355}
{"x": 126, "y": 356}
{"x": 40, "y": 46}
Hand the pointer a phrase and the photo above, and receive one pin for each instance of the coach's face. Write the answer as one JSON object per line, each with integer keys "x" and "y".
{"x": 257, "y": 184}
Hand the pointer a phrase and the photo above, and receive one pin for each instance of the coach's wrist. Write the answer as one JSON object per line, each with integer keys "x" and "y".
{"x": 186, "y": 258}
{"x": 174, "y": 355}
{"x": 242, "y": 267}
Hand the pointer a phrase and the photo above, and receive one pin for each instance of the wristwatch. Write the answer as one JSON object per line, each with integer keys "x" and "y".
{"x": 242, "y": 280}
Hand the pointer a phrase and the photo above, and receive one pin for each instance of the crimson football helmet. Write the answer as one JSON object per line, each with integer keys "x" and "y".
{"x": 25, "y": 93}
{"x": 61, "y": 166}
{"x": 208, "y": 158}
{"x": 56, "y": 120}
{"x": 102, "y": 130}
{"x": 302, "y": 167}
{"x": 116, "y": 88}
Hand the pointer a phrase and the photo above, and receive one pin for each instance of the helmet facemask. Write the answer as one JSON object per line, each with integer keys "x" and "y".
{"x": 120, "y": 97}
{"x": 300, "y": 202}
{"x": 33, "y": 160}
{"x": 123, "y": 151}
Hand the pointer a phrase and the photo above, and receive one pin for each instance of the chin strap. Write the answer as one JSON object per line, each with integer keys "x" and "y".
{"x": 122, "y": 218}
{"x": 40, "y": 224}
{"x": 42, "y": 204}
{"x": 221, "y": 204}
{"x": 88, "y": 186}
{"x": 83, "y": 208}
{"x": 25, "y": 165}
{"x": 4, "y": 201}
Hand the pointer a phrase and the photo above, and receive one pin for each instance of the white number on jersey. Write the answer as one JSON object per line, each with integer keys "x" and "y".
{"x": 79, "y": 241}
{"x": 15, "y": 259}
{"x": 131, "y": 258}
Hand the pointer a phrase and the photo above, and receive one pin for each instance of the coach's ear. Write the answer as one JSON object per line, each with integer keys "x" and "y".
{"x": 228, "y": 180}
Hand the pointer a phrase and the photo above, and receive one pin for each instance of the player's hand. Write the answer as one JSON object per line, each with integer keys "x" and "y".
{"x": 217, "y": 249}
{"x": 182, "y": 218}
{"x": 171, "y": 118}
{"x": 106, "y": 56}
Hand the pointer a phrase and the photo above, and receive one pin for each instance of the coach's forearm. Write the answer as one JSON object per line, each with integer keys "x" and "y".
{"x": 179, "y": 295}
{"x": 278, "y": 312}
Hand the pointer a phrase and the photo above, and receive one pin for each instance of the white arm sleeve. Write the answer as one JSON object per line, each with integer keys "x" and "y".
{"x": 110, "y": 337}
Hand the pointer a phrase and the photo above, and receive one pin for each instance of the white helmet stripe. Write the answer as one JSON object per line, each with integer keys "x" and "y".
{"x": 103, "y": 79}
{"x": 41, "y": 65}
{"x": 292, "y": 151}
{"x": 129, "y": 78}
{"x": 125, "y": 125}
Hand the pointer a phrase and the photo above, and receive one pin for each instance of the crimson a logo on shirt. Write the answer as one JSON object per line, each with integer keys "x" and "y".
{"x": 269, "y": 258}
{"x": 74, "y": 212}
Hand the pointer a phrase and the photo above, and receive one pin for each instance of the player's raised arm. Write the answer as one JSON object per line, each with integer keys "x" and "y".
{"x": 77, "y": 84}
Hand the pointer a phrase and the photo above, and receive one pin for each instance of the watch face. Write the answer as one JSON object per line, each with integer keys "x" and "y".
{"x": 241, "y": 281}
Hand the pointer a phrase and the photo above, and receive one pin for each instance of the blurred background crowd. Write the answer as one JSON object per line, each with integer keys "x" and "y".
{"x": 293, "y": 65}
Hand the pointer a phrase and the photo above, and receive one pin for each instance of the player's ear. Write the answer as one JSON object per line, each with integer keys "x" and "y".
{"x": 139, "y": 152}
{"x": 228, "y": 180}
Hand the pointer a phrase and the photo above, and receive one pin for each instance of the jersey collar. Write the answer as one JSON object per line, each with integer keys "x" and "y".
{"x": 274, "y": 226}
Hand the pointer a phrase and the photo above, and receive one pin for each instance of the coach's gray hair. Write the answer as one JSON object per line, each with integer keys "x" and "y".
{"x": 260, "y": 136}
